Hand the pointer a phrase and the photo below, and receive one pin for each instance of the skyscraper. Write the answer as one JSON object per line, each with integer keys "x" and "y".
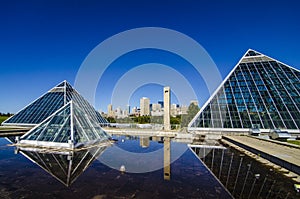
{"x": 110, "y": 112}
{"x": 144, "y": 106}
{"x": 128, "y": 109}
{"x": 161, "y": 103}
{"x": 156, "y": 107}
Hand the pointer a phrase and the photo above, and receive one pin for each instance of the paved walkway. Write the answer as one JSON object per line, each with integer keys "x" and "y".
{"x": 286, "y": 153}
{"x": 137, "y": 132}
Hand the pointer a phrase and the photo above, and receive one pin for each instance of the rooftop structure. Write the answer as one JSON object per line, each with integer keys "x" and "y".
{"x": 259, "y": 91}
{"x": 47, "y": 104}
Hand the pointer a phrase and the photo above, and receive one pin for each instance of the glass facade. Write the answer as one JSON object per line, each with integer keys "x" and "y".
{"x": 50, "y": 102}
{"x": 259, "y": 91}
{"x": 69, "y": 127}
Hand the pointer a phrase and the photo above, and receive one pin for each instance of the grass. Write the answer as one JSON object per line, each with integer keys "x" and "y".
{"x": 297, "y": 142}
{"x": 2, "y": 118}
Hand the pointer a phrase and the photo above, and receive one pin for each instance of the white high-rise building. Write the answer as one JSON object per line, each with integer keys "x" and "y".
{"x": 118, "y": 112}
{"x": 156, "y": 107}
{"x": 135, "y": 111}
{"x": 157, "y": 110}
{"x": 144, "y": 106}
{"x": 110, "y": 112}
{"x": 174, "y": 110}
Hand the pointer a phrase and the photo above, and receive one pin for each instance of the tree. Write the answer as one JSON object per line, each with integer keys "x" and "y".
{"x": 144, "y": 119}
{"x": 111, "y": 119}
{"x": 175, "y": 121}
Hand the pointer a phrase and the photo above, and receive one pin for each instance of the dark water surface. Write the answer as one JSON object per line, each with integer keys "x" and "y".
{"x": 88, "y": 174}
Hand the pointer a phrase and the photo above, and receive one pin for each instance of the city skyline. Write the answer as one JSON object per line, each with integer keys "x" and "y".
{"x": 46, "y": 42}
{"x": 155, "y": 109}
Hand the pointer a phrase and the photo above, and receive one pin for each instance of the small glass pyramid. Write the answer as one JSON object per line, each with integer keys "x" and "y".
{"x": 69, "y": 127}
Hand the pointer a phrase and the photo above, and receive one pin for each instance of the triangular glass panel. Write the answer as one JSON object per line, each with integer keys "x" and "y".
{"x": 56, "y": 128}
{"x": 86, "y": 130}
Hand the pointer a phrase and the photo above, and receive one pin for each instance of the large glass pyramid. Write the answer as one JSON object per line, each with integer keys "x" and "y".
{"x": 50, "y": 102}
{"x": 259, "y": 92}
{"x": 68, "y": 127}
{"x": 64, "y": 166}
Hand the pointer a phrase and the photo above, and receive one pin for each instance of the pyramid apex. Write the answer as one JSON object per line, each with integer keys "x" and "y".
{"x": 251, "y": 53}
{"x": 65, "y": 81}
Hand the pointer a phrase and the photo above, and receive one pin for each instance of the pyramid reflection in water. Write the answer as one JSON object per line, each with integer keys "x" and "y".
{"x": 65, "y": 166}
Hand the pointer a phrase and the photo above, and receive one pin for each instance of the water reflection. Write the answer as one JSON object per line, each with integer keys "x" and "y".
{"x": 243, "y": 176}
{"x": 142, "y": 154}
{"x": 167, "y": 158}
{"x": 144, "y": 141}
{"x": 65, "y": 166}
{"x": 189, "y": 178}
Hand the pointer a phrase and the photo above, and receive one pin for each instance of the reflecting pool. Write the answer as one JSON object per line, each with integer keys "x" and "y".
{"x": 133, "y": 167}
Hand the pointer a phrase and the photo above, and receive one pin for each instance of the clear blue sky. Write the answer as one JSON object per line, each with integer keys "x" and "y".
{"x": 45, "y": 42}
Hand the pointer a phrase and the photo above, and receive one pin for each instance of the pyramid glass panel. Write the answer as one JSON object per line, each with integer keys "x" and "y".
{"x": 50, "y": 102}
{"x": 259, "y": 91}
{"x": 69, "y": 127}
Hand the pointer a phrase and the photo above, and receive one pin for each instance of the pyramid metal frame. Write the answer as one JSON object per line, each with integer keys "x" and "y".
{"x": 68, "y": 127}
{"x": 222, "y": 107}
{"x": 48, "y": 103}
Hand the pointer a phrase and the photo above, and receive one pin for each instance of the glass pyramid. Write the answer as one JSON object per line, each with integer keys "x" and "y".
{"x": 50, "y": 102}
{"x": 69, "y": 127}
{"x": 259, "y": 92}
{"x": 64, "y": 166}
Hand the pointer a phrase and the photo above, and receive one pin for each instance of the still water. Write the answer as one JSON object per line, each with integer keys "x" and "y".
{"x": 95, "y": 173}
